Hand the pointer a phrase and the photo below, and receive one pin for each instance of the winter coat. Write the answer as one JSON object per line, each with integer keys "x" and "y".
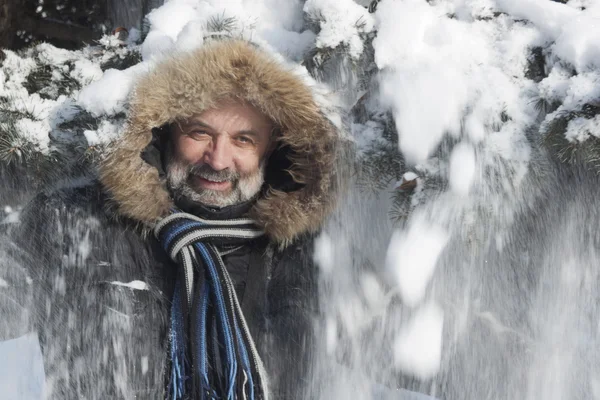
{"x": 101, "y": 285}
{"x": 102, "y": 296}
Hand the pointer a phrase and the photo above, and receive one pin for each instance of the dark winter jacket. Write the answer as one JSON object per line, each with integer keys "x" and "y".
{"x": 102, "y": 339}
{"x": 101, "y": 285}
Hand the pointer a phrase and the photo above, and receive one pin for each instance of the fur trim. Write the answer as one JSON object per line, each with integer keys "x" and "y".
{"x": 191, "y": 83}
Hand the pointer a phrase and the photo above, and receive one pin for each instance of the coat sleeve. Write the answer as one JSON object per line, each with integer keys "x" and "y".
{"x": 100, "y": 338}
{"x": 29, "y": 246}
{"x": 16, "y": 288}
{"x": 22, "y": 371}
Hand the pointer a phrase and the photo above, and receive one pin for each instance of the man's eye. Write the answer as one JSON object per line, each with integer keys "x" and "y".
{"x": 245, "y": 140}
{"x": 195, "y": 134}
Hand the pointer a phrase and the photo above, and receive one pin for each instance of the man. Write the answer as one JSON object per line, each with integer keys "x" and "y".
{"x": 186, "y": 272}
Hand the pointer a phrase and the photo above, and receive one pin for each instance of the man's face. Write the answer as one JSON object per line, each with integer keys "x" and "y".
{"x": 217, "y": 157}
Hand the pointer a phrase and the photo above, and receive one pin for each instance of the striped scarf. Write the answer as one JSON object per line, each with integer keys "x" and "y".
{"x": 212, "y": 354}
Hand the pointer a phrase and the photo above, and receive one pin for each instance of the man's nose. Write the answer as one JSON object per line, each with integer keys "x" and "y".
{"x": 218, "y": 155}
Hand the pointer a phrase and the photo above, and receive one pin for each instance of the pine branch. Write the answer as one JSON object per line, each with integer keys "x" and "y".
{"x": 122, "y": 62}
{"x": 401, "y": 205}
{"x": 536, "y": 65}
{"x": 13, "y": 148}
{"x": 573, "y": 152}
{"x": 221, "y": 24}
{"x": 43, "y": 81}
{"x": 378, "y": 167}
{"x": 544, "y": 107}
{"x": 81, "y": 121}
{"x": 13, "y": 115}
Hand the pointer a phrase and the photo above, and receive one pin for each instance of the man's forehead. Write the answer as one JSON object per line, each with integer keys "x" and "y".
{"x": 242, "y": 115}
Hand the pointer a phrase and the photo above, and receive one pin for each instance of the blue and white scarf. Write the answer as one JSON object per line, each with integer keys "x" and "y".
{"x": 212, "y": 353}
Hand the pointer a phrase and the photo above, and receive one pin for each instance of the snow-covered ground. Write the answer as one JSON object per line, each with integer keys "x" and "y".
{"x": 455, "y": 301}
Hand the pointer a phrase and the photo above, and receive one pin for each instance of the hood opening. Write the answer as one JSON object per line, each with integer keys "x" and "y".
{"x": 300, "y": 180}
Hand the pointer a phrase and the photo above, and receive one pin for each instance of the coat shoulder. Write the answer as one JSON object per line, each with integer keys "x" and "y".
{"x": 87, "y": 197}
{"x": 297, "y": 255}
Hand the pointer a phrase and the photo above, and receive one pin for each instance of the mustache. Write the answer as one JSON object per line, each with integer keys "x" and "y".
{"x": 205, "y": 171}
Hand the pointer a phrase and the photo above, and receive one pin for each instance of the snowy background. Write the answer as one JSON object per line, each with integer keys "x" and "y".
{"x": 460, "y": 263}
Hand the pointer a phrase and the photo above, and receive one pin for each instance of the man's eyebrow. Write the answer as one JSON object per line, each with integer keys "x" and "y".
{"x": 195, "y": 122}
{"x": 248, "y": 132}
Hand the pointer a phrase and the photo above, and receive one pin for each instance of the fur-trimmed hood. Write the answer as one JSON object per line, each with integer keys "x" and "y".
{"x": 188, "y": 84}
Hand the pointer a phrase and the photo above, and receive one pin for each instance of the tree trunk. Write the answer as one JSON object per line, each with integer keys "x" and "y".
{"x": 11, "y": 12}
{"x": 59, "y": 30}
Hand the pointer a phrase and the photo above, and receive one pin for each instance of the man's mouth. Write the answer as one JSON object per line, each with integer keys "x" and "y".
{"x": 204, "y": 183}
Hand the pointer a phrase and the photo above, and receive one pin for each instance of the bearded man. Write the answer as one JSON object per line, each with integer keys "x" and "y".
{"x": 186, "y": 271}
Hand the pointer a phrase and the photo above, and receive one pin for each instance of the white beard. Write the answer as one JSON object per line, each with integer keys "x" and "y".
{"x": 243, "y": 188}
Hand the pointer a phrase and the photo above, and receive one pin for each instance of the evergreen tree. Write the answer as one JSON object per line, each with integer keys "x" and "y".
{"x": 45, "y": 134}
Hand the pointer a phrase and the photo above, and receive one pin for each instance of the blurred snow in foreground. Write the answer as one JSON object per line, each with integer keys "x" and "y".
{"x": 22, "y": 369}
